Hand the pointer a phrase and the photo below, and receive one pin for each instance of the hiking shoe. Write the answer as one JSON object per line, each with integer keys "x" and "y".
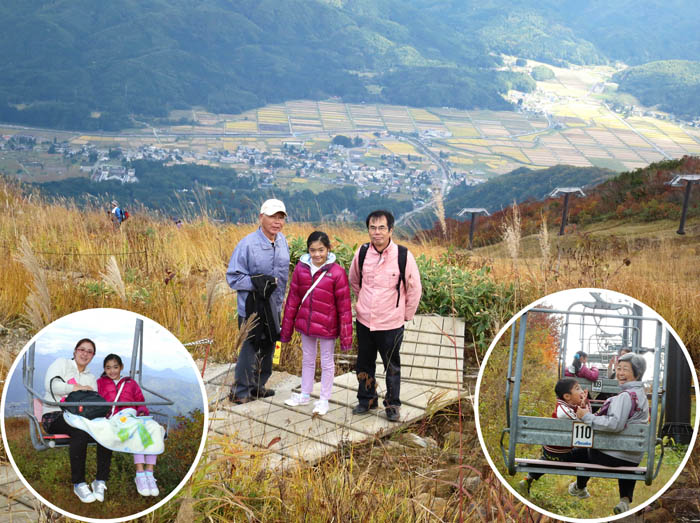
{"x": 392, "y": 413}
{"x": 236, "y": 400}
{"x": 151, "y": 482}
{"x": 362, "y": 409}
{"x": 578, "y": 492}
{"x": 262, "y": 393}
{"x": 98, "y": 489}
{"x": 321, "y": 407}
{"x": 82, "y": 490}
{"x": 524, "y": 487}
{"x": 622, "y": 506}
{"x": 297, "y": 399}
{"x": 142, "y": 485}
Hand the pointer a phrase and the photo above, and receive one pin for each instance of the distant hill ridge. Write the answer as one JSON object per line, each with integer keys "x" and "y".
{"x": 636, "y": 196}
{"x": 86, "y": 65}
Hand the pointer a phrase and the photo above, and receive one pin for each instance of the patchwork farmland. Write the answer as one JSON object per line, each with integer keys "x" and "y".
{"x": 565, "y": 121}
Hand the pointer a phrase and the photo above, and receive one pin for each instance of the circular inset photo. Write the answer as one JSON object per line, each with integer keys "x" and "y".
{"x": 586, "y": 405}
{"x": 103, "y": 415}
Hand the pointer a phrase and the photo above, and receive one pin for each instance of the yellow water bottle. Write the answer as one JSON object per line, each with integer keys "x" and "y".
{"x": 278, "y": 351}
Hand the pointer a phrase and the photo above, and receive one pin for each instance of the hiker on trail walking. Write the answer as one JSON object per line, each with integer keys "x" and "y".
{"x": 117, "y": 215}
{"x": 385, "y": 278}
{"x": 319, "y": 308}
{"x": 258, "y": 272}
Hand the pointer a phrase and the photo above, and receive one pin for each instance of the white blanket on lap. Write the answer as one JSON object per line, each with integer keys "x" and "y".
{"x": 123, "y": 432}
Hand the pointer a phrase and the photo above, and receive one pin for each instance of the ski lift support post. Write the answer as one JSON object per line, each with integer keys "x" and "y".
{"x": 677, "y": 182}
{"x": 475, "y": 211}
{"x": 567, "y": 192}
{"x": 38, "y": 440}
{"x": 551, "y": 431}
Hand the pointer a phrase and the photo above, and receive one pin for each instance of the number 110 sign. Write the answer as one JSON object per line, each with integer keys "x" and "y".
{"x": 581, "y": 435}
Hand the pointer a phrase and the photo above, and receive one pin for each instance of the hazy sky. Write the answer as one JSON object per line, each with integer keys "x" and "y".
{"x": 112, "y": 330}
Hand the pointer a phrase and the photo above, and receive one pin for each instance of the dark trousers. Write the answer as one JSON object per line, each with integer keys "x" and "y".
{"x": 253, "y": 367}
{"x": 77, "y": 451}
{"x": 388, "y": 344}
{"x": 626, "y": 486}
{"x": 576, "y": 455}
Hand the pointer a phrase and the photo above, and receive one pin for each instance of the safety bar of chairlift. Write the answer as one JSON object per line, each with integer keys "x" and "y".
{"x": 652, "y": 470}
{"x": 44, "y": 401}
{"x": 597, "y": 314}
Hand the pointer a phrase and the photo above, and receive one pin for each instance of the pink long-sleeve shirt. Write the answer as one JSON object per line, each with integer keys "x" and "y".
{"x": 376, "y": 301}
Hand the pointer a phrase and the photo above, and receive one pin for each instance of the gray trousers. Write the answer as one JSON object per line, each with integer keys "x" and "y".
{"x": 253, "y": 369}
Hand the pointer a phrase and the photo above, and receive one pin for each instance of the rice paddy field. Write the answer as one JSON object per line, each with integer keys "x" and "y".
{"x": 566, "y": 122}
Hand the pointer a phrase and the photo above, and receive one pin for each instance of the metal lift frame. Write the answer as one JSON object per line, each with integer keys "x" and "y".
{"x": 630, "y": 334}
{"x": 551, "y": 431}
{"x": 39, "y": 440}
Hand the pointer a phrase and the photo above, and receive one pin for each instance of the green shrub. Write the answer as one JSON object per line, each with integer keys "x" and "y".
{"x": 448, "y": 289}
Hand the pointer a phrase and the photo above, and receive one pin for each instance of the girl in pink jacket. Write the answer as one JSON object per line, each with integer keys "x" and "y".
{"x": 578, "y": 367}
{"x": 318, "y": 306}
{"x": 111, "y": 384}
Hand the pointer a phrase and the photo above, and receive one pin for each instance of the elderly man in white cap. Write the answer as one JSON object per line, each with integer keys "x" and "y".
{"x": 258, "y": 272}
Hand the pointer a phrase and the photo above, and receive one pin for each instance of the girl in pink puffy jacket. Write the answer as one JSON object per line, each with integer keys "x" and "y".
{"x": 318, "y": 306}
{"x": 111, "y": 384}
{"x": 578, "y": 367}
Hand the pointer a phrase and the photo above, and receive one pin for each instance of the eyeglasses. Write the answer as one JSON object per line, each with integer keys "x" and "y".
{"x": 85, "y": 351}
{"x": 381, "y": 228}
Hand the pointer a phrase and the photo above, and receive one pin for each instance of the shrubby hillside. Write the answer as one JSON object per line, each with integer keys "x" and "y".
{"x": 673, "y": 85}
{"x": 521, "y": 185}
{"x": 102, "y": 65}
{"x": 639, "y": 196}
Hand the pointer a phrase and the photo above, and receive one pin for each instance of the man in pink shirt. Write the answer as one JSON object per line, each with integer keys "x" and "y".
{"x": 384, "y": 303}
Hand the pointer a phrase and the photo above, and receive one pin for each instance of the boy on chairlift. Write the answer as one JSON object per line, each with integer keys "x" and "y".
{"x": 570, "y": 397}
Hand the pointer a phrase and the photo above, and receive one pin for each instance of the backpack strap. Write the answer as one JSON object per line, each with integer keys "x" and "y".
{"x": 361, "y": 259}
{"x": 403, "y": 256}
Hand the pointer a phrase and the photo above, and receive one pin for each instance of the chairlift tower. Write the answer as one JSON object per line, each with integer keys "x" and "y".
{"x": 678, "y": 182}
{"x": 567, "y": 192}
{"x": 475, "y": 211}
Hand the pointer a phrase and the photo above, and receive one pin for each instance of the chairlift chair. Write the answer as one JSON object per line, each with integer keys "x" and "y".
{"x": 627, "y": 335}
{"x": 41, "y": 440}
{"x": 561, "y": 432}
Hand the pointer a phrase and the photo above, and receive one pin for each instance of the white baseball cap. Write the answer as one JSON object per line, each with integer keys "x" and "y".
{"x": 272, "y": 207}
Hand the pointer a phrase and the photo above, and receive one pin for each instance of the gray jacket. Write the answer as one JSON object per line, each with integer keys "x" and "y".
{"x": 617, "y": 417}
{"x": 255, "y": 254}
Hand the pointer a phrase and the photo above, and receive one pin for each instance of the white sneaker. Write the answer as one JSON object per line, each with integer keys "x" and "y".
{"x": 321, "y": 407}
{"x": 297, "y": 400}
{"x": 82, "y": 490}
{"x": 142, "y": 485}
{"x": 151, "y": 481}
{"x": 98, "y": 489}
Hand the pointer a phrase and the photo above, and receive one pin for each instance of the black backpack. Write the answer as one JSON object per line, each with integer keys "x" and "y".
{"x": 94, "y": 405}
{"x": 403, "y": 256}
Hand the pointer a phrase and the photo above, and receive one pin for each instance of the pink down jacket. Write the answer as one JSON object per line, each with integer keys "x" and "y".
{"x": 327, "y": 311}
{"x": 130, "y": 392}
{"x": 583, "y": 372}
